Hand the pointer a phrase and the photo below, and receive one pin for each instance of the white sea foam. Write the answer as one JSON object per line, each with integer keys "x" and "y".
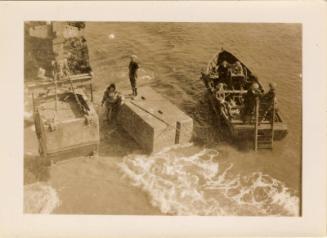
{"x": 40, "y": 198}
{"x": 193, "y": 185}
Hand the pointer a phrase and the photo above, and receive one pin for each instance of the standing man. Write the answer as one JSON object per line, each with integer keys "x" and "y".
{"x": 60, "y": 69}
{"x": 133, "y": 67}
{"x": 269, "y": 102}
{"x": 224, "y": 73}
{"x": 250, "y": 101}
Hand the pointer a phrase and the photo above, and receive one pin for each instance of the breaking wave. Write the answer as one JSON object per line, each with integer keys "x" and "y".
{"x": 40, "y": 198}
{"x": 196, "y": 185}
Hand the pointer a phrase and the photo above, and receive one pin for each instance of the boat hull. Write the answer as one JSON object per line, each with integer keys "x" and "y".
{"x": 240, "y": 130}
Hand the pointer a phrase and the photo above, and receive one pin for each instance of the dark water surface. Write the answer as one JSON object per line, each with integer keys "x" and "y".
{"x": 171, "y": 57}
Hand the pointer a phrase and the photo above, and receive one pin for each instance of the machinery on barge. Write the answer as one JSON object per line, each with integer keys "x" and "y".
{"x": 66, "y": 122}
{"x": 240, "y": 102}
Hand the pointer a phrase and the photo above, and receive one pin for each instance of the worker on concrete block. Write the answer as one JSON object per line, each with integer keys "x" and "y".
{"x": 133, "y": 67}
{"x": 113, "y": 100}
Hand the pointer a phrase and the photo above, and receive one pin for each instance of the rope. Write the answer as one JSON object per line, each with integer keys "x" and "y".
{"x": 76, "y": 97}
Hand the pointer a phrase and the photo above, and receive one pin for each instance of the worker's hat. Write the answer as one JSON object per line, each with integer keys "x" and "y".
{"x": 272, "y": 85}
{"x": 134, "y": 57}
{"x": 255, "y": 86}
{"x": 112, "y": 86}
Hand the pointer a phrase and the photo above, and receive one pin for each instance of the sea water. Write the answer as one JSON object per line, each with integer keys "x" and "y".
{"x": 171, "y": 57}
{"x": 196, "y": 185}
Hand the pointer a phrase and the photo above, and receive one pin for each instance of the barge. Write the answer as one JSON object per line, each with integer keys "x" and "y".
{"x": 59, "y": 78}
{"x": 227, "y": 100}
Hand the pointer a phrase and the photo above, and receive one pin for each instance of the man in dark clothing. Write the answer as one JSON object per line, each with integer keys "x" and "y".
{"x": 269, "y": 101}
{"x": 112, "y": 100}
{"x": 133, "y": 67}
{"x": 250, "y": 100}
{"x": 224, "y": 73}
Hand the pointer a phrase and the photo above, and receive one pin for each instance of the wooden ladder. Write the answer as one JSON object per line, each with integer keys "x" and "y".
{"x": 263, "y": 138}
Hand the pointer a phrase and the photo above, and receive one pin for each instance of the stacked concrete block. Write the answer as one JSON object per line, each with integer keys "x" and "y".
{"x": 42, "y": 31}
{"x": 62, "y": 29}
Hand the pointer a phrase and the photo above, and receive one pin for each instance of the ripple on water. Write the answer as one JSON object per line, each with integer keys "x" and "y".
{"x": 196, "y": 185}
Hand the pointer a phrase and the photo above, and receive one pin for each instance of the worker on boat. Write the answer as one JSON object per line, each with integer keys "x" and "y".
{"x": 233, "y": 110}
{"x": 226, "y": 102}
{"x": 112, "y": 100}
{"x": 224, "y": 73}
{"x": 237, "y": 69}
{"x": 250, "y": 99}
{"x": 269, "y": 102}
{"x": 221, "y": 96}
{"x": 237, "y": 78}
{"x": 84, "y": 50}
{"x": 60, "y": 69}
{"x": 133, "y": 68}
{"x": 220, "y": 92}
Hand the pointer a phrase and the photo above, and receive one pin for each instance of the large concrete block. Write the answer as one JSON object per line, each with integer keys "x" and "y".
{"x": 154, "y": 122}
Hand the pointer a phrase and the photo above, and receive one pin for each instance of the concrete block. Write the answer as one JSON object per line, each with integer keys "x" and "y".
{"x": 62, "y": 29}
{"x": 154, "y": 122}
{"x": 42, "y": 31}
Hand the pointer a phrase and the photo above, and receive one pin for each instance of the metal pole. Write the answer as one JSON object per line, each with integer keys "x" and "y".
{"x": 91, "y": 88}
{"x": 256, "y": 124}
{"x": 272, "y": 121}
{"x": 56, "y": 100}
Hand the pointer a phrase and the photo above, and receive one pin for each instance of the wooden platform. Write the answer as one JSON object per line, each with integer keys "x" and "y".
{"x": 77, "y": 80}
{"x": 154, "y": 122}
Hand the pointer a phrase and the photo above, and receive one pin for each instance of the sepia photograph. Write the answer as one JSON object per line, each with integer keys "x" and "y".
{"x": 162, "y": 118}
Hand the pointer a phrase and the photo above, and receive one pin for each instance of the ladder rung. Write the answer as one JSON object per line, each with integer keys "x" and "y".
{"x": 264, "y": 147}
{"x": 264, "y": 130}
{"x": 264, "y": 142}
{"x": 264, "y": 137}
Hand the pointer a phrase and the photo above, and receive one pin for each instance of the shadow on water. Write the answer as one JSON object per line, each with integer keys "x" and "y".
{"x": 114, "y": 140}
{"x": 35, "y": 170}
{"x": 28, "y": 123}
